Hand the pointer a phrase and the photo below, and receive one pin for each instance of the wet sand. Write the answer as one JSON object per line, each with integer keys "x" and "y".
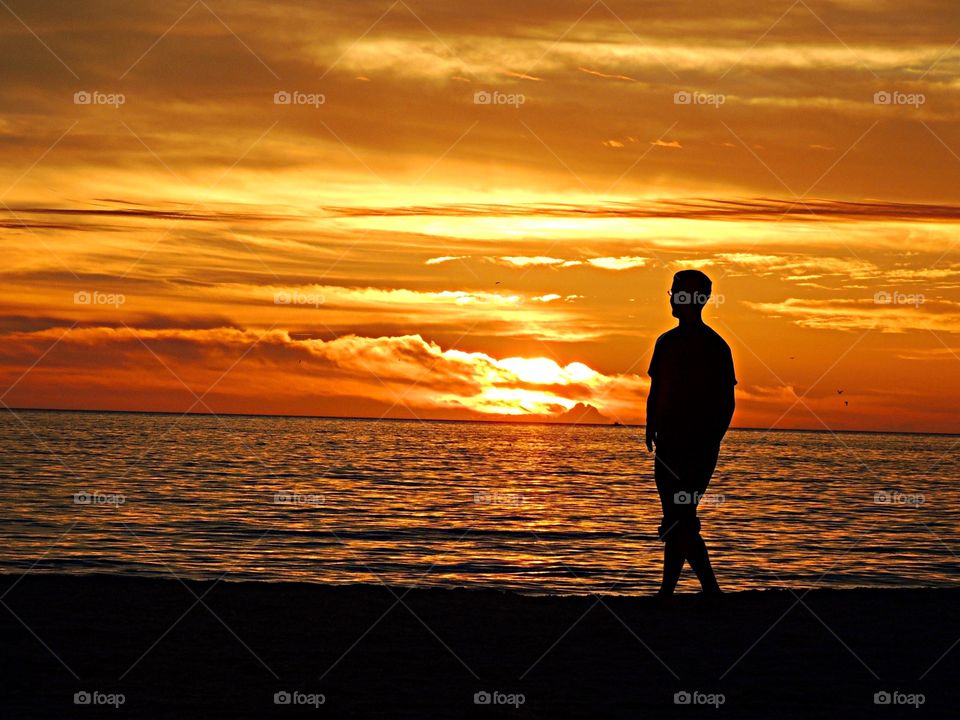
{"x": 364, "y": 653}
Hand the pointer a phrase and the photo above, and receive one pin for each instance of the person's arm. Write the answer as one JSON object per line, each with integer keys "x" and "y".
{"x": 651, "y": 421}
{"x": 727, "y": 405}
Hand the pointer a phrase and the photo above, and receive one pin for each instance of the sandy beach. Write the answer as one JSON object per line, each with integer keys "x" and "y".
{"x": 149, "y": 648}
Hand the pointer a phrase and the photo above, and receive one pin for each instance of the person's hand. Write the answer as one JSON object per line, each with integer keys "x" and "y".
{"x": 651, "y": 438}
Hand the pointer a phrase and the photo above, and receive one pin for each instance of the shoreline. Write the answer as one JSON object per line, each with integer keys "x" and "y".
{"x": 194, "y": 649}
{"x": 221, "y": 579}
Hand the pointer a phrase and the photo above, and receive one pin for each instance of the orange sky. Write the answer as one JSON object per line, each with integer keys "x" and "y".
{"x": 473, "y": 210}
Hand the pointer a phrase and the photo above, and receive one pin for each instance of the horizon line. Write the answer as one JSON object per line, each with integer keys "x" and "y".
{"x": 611, "y": 424}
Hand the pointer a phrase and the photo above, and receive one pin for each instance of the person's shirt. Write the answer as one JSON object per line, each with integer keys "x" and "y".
{"x": 693, "y": 371}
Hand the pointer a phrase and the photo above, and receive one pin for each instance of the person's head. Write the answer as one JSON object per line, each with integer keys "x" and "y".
{"x": 689, "y": 293}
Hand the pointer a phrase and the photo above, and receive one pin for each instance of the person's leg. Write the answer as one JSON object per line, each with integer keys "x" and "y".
{"x": 673, "y": 559}
{"x": 669, "y": 531}
{"x": 699, "y": 559}
{"x": 696, "y": 551}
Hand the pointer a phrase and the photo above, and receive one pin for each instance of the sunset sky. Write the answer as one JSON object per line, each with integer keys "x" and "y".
{"x": 474, "y": 210}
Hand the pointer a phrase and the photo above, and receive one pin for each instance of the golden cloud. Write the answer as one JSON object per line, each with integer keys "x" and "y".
{"x": 277, "y": 372}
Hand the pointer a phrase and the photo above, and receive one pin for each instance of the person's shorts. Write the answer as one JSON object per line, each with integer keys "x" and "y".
{"x": 682, "y": 473}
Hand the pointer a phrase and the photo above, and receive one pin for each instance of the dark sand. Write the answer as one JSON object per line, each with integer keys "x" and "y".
{"x": 568, "y": 656}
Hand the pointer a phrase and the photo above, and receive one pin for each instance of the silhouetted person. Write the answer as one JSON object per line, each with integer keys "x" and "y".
{"x": 688, "y": 412}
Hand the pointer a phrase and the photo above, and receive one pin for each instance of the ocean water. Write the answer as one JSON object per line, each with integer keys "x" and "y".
{"x": 534, "y": 508}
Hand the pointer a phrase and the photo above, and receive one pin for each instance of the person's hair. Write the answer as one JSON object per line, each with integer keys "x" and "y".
{"x": 694, "y": 281}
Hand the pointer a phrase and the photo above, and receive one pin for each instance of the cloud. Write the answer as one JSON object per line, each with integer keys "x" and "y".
{"x": 522, "y": 261}
{"x": 597, "y": 73}
{"x": 732, "y": 209}
{"x": 209, "y": 85}
{"x": 521, "y": 76}
{"x": 894, "y": 313}
{"x": 791, "y": 266}
{"x": 551, "y": 297}
{"x": 625, "y": 262}
{"x": 843, "y": 271}
{"x": 276, "y": 371}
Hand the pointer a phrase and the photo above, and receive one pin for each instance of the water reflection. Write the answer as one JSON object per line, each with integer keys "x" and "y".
{"x": 534, "y": 508}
